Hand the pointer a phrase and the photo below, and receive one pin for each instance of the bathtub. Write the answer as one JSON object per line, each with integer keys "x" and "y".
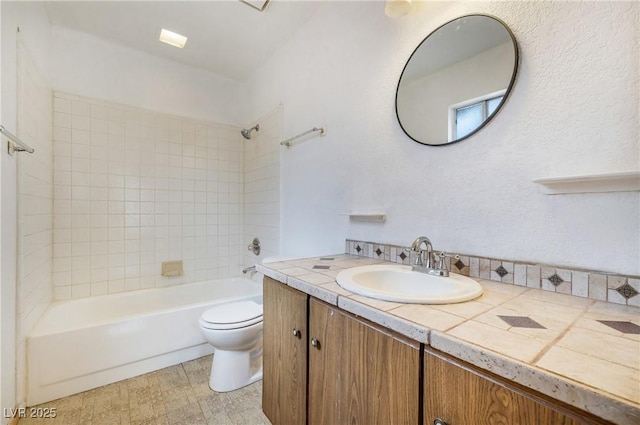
{"x": 82, "y": 344}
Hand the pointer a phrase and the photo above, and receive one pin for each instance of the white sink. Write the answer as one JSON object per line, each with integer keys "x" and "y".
{"x": 401, "y": 284}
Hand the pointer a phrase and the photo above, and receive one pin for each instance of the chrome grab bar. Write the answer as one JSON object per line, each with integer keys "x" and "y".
{"x": 15, "y": 144}
{"x": 287, "y": 142}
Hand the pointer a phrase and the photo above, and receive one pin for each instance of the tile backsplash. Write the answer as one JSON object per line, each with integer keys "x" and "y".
{"x": 134, "y": 188}
{"x": 595, "y": 285}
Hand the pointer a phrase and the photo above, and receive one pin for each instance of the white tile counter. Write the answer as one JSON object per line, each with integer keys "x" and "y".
{"x": 583, "y": 352}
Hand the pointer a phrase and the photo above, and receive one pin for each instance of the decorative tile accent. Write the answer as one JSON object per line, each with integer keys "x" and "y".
{"x": 502, "y": 271}
{"x": 521, "y": 322}
{"x": 321, "y": 267}
{"x": 624, "y": 327}
{"x": 580, "y": 283}
{"x": 627, "y": 291}
{"x": 555, "y": 279}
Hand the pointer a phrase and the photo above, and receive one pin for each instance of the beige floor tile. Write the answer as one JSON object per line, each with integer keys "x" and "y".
{"x": 175, "y": 395}
{"x": 187, "y": 415}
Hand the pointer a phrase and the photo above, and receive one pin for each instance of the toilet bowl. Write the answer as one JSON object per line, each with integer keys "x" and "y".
{"x": 235, "y": 332}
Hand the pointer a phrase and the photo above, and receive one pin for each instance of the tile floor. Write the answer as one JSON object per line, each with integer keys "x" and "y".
{"x": 177, "y": 395}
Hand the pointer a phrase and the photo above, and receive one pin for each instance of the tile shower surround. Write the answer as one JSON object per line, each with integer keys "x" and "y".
{"x": 133, "y": 188}
{"x": 594, "y": 285}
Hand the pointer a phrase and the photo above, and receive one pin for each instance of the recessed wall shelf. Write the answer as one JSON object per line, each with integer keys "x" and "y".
{"x": 593, "y": 183}
{"x": 370, "y": 217}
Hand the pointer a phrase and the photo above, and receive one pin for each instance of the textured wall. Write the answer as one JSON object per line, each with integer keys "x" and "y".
{"x": 573, "y": 111}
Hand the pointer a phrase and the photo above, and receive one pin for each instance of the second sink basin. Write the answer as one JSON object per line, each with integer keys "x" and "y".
{"x": 401, "y": 284}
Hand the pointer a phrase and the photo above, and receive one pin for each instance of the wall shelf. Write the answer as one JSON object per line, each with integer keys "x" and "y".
{"x": 370, "y": 217}
{"x": 592, "y": 183}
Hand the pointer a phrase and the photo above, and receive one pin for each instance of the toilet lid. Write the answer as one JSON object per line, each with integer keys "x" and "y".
{"x": 239, "y": 312}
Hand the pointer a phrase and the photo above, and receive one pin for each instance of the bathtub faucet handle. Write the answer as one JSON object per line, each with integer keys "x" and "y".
{"x": 254, "y": 246}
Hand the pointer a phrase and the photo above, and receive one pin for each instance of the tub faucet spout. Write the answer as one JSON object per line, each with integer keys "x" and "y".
{"x": 248, "y": 269}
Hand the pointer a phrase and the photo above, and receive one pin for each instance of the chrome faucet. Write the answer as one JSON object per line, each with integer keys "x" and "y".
{"x": 425, "y": 260}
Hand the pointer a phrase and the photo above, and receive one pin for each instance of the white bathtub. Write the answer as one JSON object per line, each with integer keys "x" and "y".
{"x": 86, "y": 343}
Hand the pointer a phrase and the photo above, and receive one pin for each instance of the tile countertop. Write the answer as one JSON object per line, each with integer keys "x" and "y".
{"x": 583, "y": 352}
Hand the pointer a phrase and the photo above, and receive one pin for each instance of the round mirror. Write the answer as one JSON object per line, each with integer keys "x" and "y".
{"x": 456, "y": 80}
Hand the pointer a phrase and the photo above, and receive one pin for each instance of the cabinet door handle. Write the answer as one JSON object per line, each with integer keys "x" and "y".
{"x": 297, "y": 333}
{"x": 439, "y": 422}
{"x": 315, "y": 343}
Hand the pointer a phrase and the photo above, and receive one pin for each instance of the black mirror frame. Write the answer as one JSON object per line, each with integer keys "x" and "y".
{"x": 516, "y": 62}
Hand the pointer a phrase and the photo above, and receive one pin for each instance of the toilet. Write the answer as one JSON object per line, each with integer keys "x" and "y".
{"x": 235, "y": 332}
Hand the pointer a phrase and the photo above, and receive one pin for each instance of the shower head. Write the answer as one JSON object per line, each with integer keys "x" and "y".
{"x": 247, "y": 133}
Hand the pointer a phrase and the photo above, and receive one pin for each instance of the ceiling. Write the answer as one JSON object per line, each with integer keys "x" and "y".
{"x": 226, "y": 37}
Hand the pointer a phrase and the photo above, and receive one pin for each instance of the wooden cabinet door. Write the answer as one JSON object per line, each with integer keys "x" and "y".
{"x": 460, "y": 394}
{"x": 359, "y": 374}
{"x": 284, "y": 357}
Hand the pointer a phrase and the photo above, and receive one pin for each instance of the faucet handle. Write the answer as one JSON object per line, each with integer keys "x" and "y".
{"x": 442, "y": 265}
{"x": 418, "y": 261}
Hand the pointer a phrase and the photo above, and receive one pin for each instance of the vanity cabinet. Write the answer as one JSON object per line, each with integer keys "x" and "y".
{"x": 456, "y": 393}
{"x": 284, "y": 357}
{"x": 357, "y": 373}
{"x": 325, "y": 366}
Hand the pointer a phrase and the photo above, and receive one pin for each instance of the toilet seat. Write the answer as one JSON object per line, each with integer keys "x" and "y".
{"x": 232, "y": 315}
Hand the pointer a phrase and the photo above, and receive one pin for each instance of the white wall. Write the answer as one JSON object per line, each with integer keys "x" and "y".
{"x": 98, "y": 68}
{"x": 33, "y": 21}
{"x": 573, "y": 111}
{"x": 34, "y": 206}
{"x": 7, "y": 385}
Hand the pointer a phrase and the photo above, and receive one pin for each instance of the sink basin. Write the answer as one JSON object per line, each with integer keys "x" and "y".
{"x": 401, "y": 284}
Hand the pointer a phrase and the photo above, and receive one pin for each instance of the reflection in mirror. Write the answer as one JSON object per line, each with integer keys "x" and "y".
{"x": 456, "y": 80}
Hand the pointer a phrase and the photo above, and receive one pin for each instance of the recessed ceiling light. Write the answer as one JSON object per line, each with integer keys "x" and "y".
{"x": 172, "y": 38}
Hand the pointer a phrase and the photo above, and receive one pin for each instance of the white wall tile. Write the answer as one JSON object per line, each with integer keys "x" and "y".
{"x": 134, "y": 188}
